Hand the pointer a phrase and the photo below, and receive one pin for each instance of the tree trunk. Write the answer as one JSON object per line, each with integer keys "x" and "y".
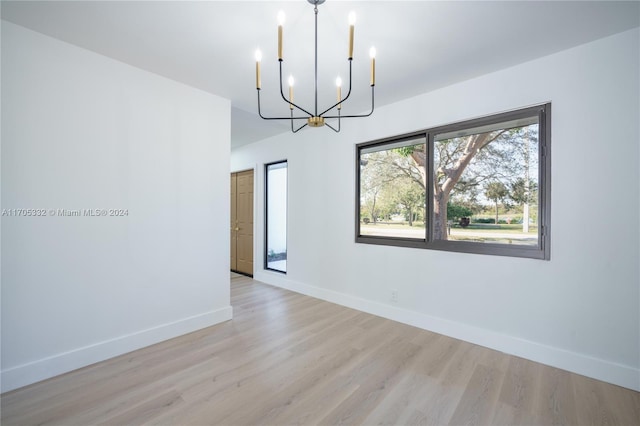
{"x": 373, "y": 209}
{"x": 421, "y": 162}
{"x": 496, "y": 212}
{"x": 440, "y": 215}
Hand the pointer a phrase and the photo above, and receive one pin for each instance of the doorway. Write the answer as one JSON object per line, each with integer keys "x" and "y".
{"x": 242, "y": 222}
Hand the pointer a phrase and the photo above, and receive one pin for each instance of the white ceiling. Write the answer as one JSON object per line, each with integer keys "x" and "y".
{"x": 422, "y": 45}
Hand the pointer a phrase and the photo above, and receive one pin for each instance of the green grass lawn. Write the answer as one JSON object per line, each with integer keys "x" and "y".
{"x": 481, "y": 233}
{"x": 514, "y": 228}
{"x": 398, "y": 225}
{"x": 504, "y": 228}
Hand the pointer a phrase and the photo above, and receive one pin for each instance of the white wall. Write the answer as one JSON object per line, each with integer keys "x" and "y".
{"x": 81, "y": 131}
{"x": 580, "y": 310}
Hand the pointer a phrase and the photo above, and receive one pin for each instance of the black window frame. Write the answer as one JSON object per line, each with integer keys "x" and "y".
{"x": 266, "y": 214}
{"x": 540, "y": 251}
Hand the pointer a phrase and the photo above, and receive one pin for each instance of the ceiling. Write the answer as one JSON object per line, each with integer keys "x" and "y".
{"x": 421, "y": 45}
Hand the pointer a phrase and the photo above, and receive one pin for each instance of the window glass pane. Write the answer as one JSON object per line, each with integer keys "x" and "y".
{"x": 392, "y": 190}
{"x": 276, "y": 211}
{"x": 486, "y": 184}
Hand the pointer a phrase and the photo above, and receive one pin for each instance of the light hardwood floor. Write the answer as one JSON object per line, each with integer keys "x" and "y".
{"x": 291, "y": 359}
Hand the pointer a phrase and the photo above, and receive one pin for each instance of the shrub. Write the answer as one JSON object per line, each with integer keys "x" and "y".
{"x": 484, "y": 220}
{"x": 456, "y": 211}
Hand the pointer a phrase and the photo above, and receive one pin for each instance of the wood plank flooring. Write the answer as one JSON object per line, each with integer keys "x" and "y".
{"x": 291, "y": 359}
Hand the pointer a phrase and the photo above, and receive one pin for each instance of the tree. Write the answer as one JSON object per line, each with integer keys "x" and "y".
{"x": 462, "y": 165}
{"x": 524, "y": 193}
{"x": 496, "y": 191}
{"x": 390, "y": 181}
{"x": 452, "y": 158}
{"x": 373, "y": 179}
{"x": 521, "y": 192}
{"x": 370, "y": 200}
{"x": 456, "y": 211}
{"x": 410, "y": 197}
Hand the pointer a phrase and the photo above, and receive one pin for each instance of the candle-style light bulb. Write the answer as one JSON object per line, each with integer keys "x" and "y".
{"x": 339, "y": 91}
{"x": 290, "y": 92}
{"x": 352, "y": 23}
{"x": 258, "y": 59}
{"x": 281, "y": 19}
{"x": 372, "y": 54}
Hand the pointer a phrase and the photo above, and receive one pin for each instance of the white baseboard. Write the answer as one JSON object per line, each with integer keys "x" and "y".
{"x": 22, "y": 375}
{"x": 607, "y": 371}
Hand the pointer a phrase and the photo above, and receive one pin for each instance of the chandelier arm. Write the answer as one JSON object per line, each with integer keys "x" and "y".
{"x": 332, "y": 128}
{"x": 299, "y": 128}
{"x": 345, "y": 98}
{"x": 360, "y": 115}
{"x": 285, "y": 99}
{"x": 276, "y": 118}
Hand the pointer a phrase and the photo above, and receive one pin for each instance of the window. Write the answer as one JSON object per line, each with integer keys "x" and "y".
{"x": 392, "y": 189}
{"x": 276, "y": 216}
{"x": 479, "y": 186}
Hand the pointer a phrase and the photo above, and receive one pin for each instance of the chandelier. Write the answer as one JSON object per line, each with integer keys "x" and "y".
{"x": 316, "y": 118}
